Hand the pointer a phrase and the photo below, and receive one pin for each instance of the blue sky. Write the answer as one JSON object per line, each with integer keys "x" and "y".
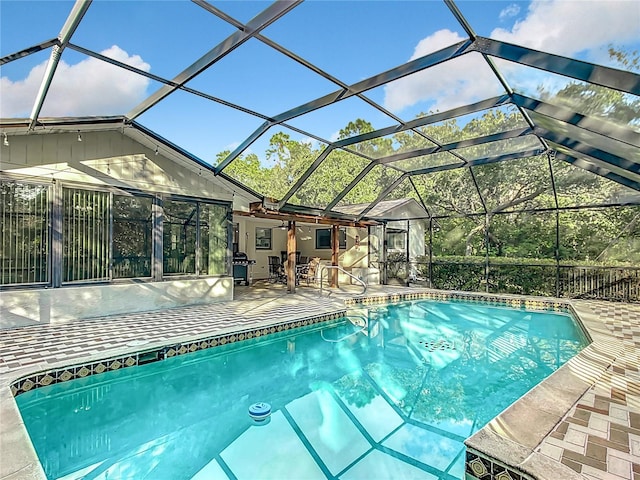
{"x": 350, "y": 40}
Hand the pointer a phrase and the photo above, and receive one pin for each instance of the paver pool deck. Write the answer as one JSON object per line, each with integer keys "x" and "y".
{"x": 585, "y": 421}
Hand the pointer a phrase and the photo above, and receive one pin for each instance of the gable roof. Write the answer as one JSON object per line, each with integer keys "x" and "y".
{"x": 400, "y": 209}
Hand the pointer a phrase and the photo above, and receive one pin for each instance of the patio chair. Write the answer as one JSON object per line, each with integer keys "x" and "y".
{"x": 309, "y": 273}
{"x": 284, "y": 255}
{"x": 276, "y": 270}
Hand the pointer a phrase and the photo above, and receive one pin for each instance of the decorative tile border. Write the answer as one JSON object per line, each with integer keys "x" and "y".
{"x": 46, "y": 378}
{"x": 479, "y": 467}
{"x": 491, "y": 300}
{"x": 72, "y": 372}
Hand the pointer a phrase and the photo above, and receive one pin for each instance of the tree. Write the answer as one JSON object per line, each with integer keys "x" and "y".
{"x": 485, "y": 203}
{"x": 248, "y": 171}
{"x": 602, "y": 102}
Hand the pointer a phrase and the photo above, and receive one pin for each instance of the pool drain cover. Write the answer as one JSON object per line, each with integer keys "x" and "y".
{"x": 433, "y": 345}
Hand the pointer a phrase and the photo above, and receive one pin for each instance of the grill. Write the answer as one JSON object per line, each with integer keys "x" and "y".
{"x": 242, "y": 268}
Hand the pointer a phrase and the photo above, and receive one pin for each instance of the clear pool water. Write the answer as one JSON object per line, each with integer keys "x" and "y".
{"x": 394, "y": 398}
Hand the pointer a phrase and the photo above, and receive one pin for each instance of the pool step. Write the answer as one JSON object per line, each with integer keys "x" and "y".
{"x": 505, "y": 345}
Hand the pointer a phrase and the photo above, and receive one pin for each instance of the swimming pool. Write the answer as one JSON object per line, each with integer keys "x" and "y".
{"x": 390, "y": 392}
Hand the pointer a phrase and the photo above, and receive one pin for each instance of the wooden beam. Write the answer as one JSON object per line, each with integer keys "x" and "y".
{"x": 291, "y": 257}
{"x": 335, "y": 251}
{"x": 297, "y": 217}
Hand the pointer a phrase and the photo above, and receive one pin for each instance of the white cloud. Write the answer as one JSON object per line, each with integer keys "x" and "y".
{"x": 510, "y": 11}
{"x": 89, "y": 87}
{"x": 18, "y": 97}
{"x": 409, "y": 90}
{"x": 435, "y": 42}
{"x": 569, "y": 27}
{"x": 453, "y": 83}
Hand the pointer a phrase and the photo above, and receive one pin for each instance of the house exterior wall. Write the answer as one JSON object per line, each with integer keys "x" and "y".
{"x": 413, "y": 232}
{"x": 247, "y": 243}
{"x": 56, "y": 306}
{"x": 106, "y": 158}
{"x": 417, "y": 246}
{"x": 352, "y": 256}
{"x": 416, "y": 229}
{"x": 110, "y": 161}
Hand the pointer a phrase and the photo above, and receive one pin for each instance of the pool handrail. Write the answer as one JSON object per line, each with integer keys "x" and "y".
{"x": 340, "y": 269}
{"x": 348, "y": 335}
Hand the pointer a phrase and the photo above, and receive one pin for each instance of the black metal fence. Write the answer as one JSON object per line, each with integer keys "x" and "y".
{"x": 610, "y": 283}
{"x": 566, "y": 281}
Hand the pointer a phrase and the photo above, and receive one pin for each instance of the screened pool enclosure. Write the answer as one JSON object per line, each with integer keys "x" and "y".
{"x": 522, "y": 150}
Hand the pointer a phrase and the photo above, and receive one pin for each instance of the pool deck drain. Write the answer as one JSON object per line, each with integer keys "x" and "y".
{"x": 597, "y": 435}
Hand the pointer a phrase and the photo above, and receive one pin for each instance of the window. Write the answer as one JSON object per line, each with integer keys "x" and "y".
{"x": 397, "y": 240}
{"x": 213, "y": 239}
{"x": 24, "y": 247}
{"x": 323, "y": 238}
{"x": 85, "y": 232}
{"x": 194, "y": 237}
{"x": 263, "y": 238}
{"x": 105, "y": 235}
{"x": 132, "y": 236}
{"x": 179, "y": 237}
